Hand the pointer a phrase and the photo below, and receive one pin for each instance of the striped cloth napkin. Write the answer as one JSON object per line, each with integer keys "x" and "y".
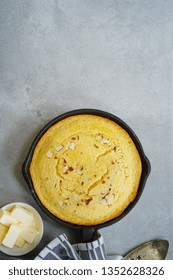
{"x": 61, "y": 249}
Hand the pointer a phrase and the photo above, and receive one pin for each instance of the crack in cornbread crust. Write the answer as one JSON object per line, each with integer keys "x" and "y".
{"x": 86, "y": 169}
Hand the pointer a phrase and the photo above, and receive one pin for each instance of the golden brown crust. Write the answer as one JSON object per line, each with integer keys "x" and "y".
{"x": 86, "y": 170}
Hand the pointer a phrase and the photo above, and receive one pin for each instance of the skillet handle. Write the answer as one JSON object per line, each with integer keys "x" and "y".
{"x": 87, "y": 234}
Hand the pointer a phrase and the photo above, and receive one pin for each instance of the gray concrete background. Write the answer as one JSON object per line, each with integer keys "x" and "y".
{"x": 116, "y": 56}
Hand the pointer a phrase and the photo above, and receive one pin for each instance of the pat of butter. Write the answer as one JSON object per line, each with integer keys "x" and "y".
{"x": 28, "y": 234}
{"x": 19, "y": 242}
{"x": 22, "y": 215}
{"x": 11, "y": 236}
{"x": 6, "y": 219}
{"x": 3, "y": 232}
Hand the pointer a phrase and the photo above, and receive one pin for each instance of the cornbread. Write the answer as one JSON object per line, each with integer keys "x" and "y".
{"x": 86, "y": 169}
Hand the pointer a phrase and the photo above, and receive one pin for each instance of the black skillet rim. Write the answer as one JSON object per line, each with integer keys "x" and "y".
{"x": 146, "y": 167}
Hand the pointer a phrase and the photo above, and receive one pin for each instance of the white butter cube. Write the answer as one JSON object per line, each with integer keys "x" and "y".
{"x": 19, "y": 242}
{"x": 3, "y": 232}
{"x": 6, "y": 219}
{"x": 11, "y": 236}
{"x": 28, "y": 234}
{"x": 22, "y": 215}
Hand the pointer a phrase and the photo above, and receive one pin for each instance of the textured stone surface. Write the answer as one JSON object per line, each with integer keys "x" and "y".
{"x": 56, "y": 56}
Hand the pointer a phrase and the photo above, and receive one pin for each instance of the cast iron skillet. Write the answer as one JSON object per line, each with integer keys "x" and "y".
{"x": 87, "y": 232}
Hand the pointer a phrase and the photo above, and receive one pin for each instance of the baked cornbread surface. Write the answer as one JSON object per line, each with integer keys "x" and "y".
{"x": 86, "y": 169}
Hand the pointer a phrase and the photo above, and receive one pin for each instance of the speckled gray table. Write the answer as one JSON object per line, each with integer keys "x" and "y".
{"x": 116, "y": 56}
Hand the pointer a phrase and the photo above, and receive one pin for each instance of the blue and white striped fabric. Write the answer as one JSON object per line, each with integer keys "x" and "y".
{"x": 61, "y": 249}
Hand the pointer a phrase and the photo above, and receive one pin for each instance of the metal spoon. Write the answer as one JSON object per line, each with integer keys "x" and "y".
{"x": 151, "y": 250}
